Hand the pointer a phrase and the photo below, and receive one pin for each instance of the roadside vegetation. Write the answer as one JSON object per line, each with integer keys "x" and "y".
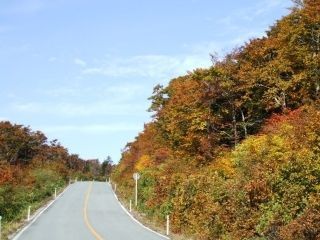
{"x": 233, "y": 151}
{"x": 31, "y": 168}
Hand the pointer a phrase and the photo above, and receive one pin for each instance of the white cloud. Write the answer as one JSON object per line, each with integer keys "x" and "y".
{"x": 61, "y": 92}
{"x": 80, "y": 62}
{"x": 116, "y": 93}
{"x": 268, "y": 6}
{"x": 240, "y": 40}
{"x": 98, "y": 108}
{"x": 149, "y": 66}
{"x": 125, "y": 91}
{"x": 52, "y": 59}
{"x": 255, "y": 13}
{"x": 27, "y": 107}
{"x": 93, "y": 128}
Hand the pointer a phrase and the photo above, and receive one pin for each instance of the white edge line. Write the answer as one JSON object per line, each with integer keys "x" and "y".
{"x": 34, "y": 218}
{"x": 134, "y": 219}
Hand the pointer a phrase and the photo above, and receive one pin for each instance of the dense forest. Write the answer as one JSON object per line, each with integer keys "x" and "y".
{"x": 31, "y": 168}
{"x": 233, "y": 151}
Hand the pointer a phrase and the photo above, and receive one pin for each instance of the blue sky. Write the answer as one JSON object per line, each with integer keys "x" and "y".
{"x": 81, "y": 70}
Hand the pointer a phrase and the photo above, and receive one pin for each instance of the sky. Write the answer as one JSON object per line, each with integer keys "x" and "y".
{"x": 81, "y": 71}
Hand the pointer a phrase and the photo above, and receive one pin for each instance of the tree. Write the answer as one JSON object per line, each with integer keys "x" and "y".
{"x": 106, "y": 167}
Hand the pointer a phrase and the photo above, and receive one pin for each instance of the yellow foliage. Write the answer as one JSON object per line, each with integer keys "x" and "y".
{"x": 223, "y": 165}
{"x": 143, "y": 162}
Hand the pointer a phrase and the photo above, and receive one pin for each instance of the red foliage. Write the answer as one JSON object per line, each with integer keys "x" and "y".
{"x": 276, "y": 120}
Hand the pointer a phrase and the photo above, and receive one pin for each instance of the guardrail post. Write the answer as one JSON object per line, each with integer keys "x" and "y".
{"x": 136, "y": 192}
{"x": 168, "y": 225}
{"x": 28, "y": 215}
{"x": 0, "y": 227}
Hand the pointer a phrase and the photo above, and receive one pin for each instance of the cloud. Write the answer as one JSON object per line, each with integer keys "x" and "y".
{"x": 125, "y": 92}
{"x": 240, "y": 40}
{"x": 148, "y": 66}
{"x": 61, "y": 92}
{"x": 254, "y": 13}
{"x": 80, "y": 62}
{"x": 27, "y": 107}
{"x": 264, "y": 7}
{"x": 116, "y": 93}
{"x": 269, "y": 5}
{"x": 74, "y": 109}
{"x": 93, "y": 128}
{"x": 52, "y": 59}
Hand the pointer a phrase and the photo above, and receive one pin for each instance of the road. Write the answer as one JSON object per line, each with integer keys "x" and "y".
{"x": 86, "y": 210}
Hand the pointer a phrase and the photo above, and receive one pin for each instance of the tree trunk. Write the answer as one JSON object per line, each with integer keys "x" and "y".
{"x": 284, "y": 101}
{"x": 234, "y": 123}
{"x": 317, "y": 89}
{"x": 244, "y": 124}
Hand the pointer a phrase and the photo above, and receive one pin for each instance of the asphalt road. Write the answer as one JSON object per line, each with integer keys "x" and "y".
{"x": 87, "y": 210}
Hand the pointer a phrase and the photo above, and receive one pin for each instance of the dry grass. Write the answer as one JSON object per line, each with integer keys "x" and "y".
{"x": 154, "y": 225}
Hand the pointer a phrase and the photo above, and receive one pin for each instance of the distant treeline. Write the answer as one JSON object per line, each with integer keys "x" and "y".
{"x": 233, "y": 151}
{"x": 31, "y": 168}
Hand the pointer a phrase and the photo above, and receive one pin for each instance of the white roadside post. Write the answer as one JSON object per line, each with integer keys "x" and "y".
{"x": 28, "y": 215}
{"x": 136, "y": 177}
{"x": 168, "y": 225}
{"x": 0, "y": 227}
{"x": 115, "y": 187}
{"x": 55, "y": 193}
{"x": 130, "y": 208}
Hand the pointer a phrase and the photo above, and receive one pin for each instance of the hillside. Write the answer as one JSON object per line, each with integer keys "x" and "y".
{"x": 233, "y": 151}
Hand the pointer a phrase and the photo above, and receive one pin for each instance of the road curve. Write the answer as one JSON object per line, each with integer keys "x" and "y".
{"x": 87, "y": 210}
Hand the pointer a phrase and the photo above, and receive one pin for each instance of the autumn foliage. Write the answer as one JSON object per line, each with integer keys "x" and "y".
{"x": 31, "y": 168}
{"x": 233, "y": 151}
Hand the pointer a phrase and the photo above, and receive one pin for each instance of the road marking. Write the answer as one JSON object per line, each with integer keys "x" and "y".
{"x": 134, "y": 219}
{"x": 85, "y": 215}
{"x": 37, "y": 215}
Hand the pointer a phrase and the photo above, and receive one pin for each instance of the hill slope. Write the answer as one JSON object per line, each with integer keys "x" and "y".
{"x": 233, "y": 150}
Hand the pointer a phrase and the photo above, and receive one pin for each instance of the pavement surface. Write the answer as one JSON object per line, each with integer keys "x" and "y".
{"x": 86, "y": 210}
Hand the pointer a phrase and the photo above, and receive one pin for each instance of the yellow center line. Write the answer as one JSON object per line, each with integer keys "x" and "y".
{"x": 85, "y": 215}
